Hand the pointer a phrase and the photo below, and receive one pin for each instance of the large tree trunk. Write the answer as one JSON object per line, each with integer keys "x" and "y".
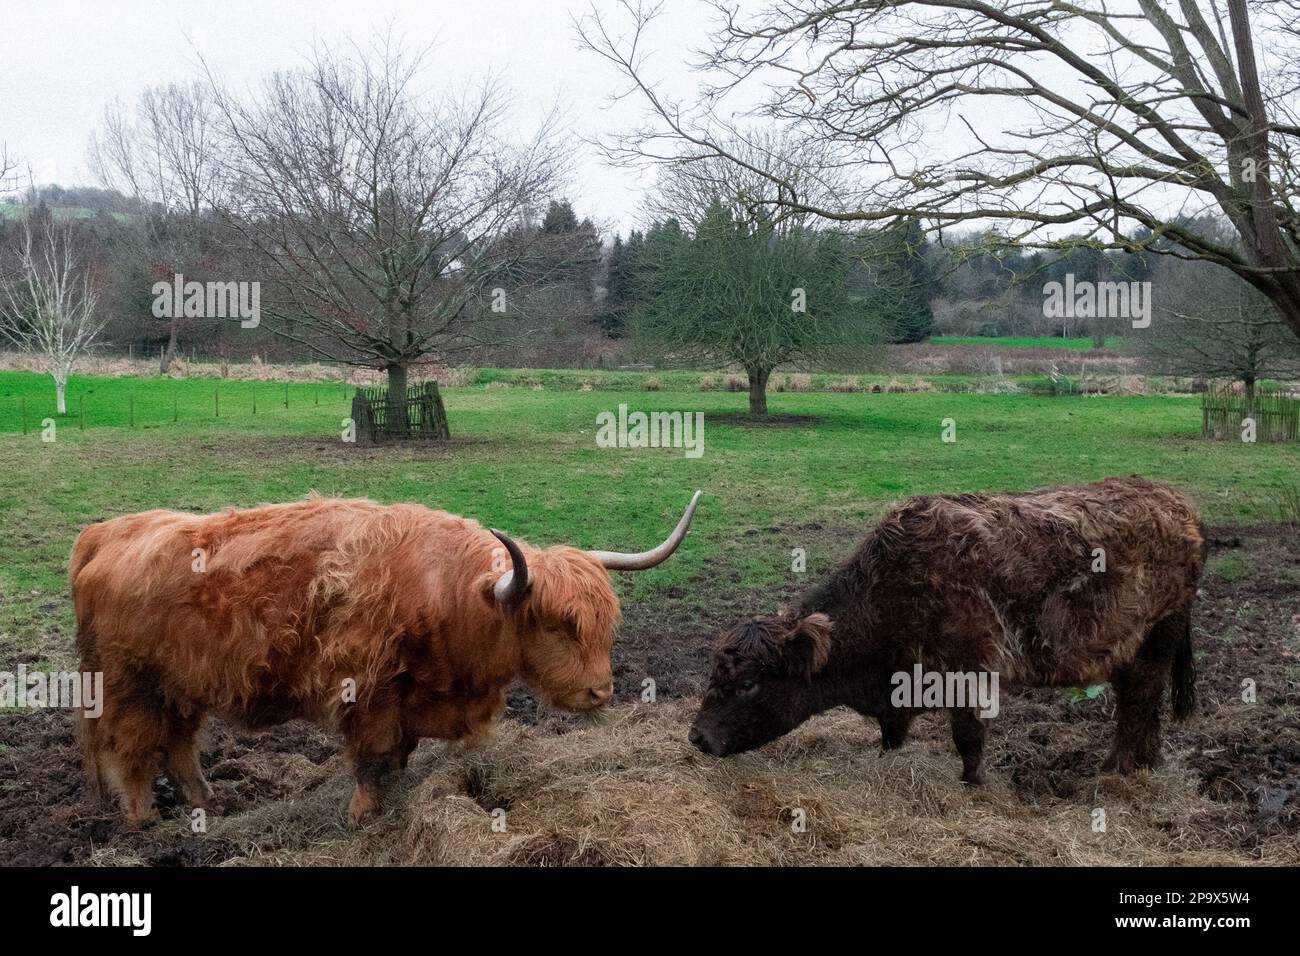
{"x": 396, "y": 424}
{"x": 1267, "y": 244}
{"x": 1098, "y": 332}
{"x": 758, "y": 390}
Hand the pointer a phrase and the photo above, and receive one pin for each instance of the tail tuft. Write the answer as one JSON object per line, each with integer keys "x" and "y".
{"x": 1183, "y": 675}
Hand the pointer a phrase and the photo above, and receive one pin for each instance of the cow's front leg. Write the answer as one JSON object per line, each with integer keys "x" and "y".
{"x": 181, "y": 751}
{"x": 406, "y": 748}
{"x": 374, "y": 744}
{"x": 371, "y": 770}
{"x": 893, "y": 728}
{"x": 968, "y": 733}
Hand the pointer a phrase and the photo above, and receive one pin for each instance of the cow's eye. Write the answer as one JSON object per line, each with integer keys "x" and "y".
{"x": 748, "y": 687}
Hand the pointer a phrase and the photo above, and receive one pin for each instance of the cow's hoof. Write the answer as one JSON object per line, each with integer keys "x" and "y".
{"x": 1126, "y": 764}
{"x": 361, "y": 806}
{"x": 1123, "y": 764}
{"x": 201, "y": 801}
{"x": 218, "y": 803}
{"x": 1148, "y": 759}
{"x": 973, "y": 777}
{"x": 142, "y": 820}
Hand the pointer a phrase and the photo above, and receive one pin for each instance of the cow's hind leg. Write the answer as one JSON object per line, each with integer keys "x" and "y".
{"x": 1139, "y": 690}
{"x": 968, "y": 733}
{"x": 181, "y": 750}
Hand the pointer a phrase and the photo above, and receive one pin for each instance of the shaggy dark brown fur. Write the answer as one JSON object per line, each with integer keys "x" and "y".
{"x": 379, "y": 621}
{"x": 992, "y": 583}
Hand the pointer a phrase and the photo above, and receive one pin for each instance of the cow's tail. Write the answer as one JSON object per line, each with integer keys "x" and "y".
{"x": 1183, "y": 686}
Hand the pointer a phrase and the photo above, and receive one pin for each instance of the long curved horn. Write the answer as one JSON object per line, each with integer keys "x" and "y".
{"x": 619, "y": 561}
{"x": 511, "y": 587}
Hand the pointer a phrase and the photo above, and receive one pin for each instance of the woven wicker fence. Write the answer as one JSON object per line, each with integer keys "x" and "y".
{"x": 1224, "y": 409}
{"x": 420, "y": 415}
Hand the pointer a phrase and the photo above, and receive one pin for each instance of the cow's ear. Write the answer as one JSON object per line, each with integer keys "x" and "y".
{"x": 808, "y": 645}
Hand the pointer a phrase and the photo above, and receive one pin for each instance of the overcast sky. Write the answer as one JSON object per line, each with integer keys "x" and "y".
{"x": 62, "y": 61}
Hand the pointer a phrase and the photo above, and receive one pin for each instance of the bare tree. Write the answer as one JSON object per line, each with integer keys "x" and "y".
{"x": 1213, "y": 324}
{"x": 164, "y": 155}
{"x": 691, "y": 181}
{"x": 47, "y": 306}
{"x": 382, "y": 215}
{"x": 1118, "y": 116}
{"x": 8, "y": 169}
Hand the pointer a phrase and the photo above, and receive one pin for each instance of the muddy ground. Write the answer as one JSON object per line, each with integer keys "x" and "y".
{"x": 1230, "y": 789}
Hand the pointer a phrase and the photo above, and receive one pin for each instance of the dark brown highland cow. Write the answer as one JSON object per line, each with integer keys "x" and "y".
{"x": 988, "y": 583}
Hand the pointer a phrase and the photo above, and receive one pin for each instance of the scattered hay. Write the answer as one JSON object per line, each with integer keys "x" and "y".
{"x": 631, "y": 791}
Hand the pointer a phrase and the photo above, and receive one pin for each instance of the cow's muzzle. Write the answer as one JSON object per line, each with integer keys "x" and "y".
{"x": 705, "y": 743}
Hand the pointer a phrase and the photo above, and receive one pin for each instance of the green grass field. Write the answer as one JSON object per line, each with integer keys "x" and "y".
{"x": 525, "y": 460}
{"x": 1024, "y": 342}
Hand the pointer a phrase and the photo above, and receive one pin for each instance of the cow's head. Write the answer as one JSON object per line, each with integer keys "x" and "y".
{"x": 565, "y": 610}
{"x": 762, "y": 683}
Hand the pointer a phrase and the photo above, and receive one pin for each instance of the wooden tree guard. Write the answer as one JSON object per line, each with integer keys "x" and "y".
{"x": 419, "y": 415}
{"x": 1276, "y": 414}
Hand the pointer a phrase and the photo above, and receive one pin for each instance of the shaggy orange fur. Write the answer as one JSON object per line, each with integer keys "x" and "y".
{"x": 379, "y": 621}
